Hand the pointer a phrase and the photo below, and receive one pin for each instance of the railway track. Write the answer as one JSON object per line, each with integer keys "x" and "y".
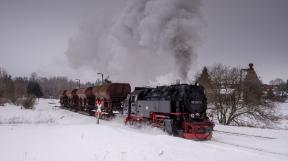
{"x": 249, "y": 148}
{"x": 241, "y": 134}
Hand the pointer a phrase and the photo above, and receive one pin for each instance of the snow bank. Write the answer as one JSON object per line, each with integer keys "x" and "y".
{"x": 283, "y": 110}
{"x": 46, "y": 111}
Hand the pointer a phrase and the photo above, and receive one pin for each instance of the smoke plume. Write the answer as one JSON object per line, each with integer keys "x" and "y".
{"x": 149, "y": 38}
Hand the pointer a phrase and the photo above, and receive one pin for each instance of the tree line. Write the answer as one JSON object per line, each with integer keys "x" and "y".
{"x": 13, "y": 88}
{"x": 18, "y": 87}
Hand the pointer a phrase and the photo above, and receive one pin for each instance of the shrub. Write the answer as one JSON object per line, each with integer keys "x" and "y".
{"x": 3, "y": 101}
{"x": 28, "y": 102}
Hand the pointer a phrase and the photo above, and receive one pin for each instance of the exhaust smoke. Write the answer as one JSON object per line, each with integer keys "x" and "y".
{"x": 148, "y": 39}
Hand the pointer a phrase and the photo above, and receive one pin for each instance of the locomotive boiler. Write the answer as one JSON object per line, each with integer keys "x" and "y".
{"x": 179, "y": 109}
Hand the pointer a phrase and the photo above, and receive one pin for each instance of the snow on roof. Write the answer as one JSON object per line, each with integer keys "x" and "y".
{"x": 227, "y": 91}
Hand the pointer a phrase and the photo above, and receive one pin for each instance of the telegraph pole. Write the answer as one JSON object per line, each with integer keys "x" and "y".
{"x": 102, "y": 75}
{"x": 78, "y": 83}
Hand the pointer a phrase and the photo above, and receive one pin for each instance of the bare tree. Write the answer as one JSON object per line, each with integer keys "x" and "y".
{"x": 230, "y": 97}
{"x": 20, "y": 86}
{"x": 280, "y": 88}
{"x": 277, "y": 81}
{"x": 53, "y": 86}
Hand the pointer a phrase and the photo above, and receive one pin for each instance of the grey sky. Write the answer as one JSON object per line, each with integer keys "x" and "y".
{"x": 34, "y": 34}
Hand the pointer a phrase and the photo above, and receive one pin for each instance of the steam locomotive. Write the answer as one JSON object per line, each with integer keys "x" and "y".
{"x": 179, "y": 109}
{"x": 84, "y": 99}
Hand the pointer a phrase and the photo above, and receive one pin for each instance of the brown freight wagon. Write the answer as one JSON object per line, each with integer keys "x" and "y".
{"x": 68, "y": 94}
{"x": 113, "y": 94}
{"x": 86, "y": 99}
{"x": 64, "y": 98}
{"x": 73, "y": 99}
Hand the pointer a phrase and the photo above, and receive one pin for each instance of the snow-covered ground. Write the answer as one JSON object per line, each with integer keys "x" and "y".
{"x": 52, "y": 134}
{"x": 283, "y": 110}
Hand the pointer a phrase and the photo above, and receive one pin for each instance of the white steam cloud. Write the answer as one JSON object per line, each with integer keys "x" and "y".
{"x": 150, "y": 38}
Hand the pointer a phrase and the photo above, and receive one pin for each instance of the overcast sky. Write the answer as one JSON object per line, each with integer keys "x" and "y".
{"x": 34, "y": 34}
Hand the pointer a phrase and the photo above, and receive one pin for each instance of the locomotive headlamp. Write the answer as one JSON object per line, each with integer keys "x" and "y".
{"x": 197, "y": 114}
{"x": 192, "y": 115}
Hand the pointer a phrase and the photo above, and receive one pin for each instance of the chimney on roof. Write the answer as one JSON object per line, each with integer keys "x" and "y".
{"x": 251, "y": 66}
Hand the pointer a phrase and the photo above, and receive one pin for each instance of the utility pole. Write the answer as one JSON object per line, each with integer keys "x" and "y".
{"x": 102, "y": 75}
{"x": 78, "y": 83}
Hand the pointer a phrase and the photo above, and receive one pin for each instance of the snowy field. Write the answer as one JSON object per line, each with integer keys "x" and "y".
{"x": 52, "y": 134}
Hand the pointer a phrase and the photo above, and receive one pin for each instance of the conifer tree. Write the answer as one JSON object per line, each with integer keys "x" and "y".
{"x": 252, "y": 90}
{"x": 34, "y": 89}
{"x": 204, "y": 79}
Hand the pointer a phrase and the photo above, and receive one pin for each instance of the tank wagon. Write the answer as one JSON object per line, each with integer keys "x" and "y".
{"x": 179, "y": 109}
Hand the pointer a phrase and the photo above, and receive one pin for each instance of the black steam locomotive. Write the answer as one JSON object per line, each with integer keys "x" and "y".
{"x": 179, "y": 109}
